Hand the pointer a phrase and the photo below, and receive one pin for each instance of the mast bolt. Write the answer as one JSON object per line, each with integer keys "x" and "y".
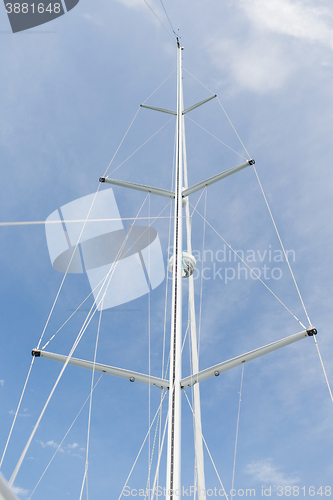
{"x": 102, "y": 179}
{"x": 132, "y": 379}
{"x": 216, "y": 373}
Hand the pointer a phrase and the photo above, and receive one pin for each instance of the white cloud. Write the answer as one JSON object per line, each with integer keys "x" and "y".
{"x": 73, "y": 446}
{"x": 295, "y": 19}
{"x": 265, "y": 472}
{"x": 281, "y": 37}
{"x": 68, "y": 450}
{"x": 24, "y": 414}
{"x": 20, "y": 491}
{"x": 2, "y": 382}
{"x": 255, "y": 65}
{"x": 133, "y": 4}
{"x": 50, "y": 444}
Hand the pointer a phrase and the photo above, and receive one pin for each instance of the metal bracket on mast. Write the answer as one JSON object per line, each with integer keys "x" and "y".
{"x": 187, "y": 110}
{"x": 216, "y": 178}
{"x": 231, "y": 363}
{"x": 139, "y": 187}
{"x": 110, "y": 370}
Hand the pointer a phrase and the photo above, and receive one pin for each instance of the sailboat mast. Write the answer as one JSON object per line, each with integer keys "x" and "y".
{"x": 173, "y": 486}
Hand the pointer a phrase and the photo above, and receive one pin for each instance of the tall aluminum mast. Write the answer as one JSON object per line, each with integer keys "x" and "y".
{"x": 173, "y": 486}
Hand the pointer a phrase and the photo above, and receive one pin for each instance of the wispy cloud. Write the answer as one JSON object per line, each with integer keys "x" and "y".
{"x": 264, "y": 471}
{"x": 275, "y": 45}
{"x": 2, "y": 382}
{"x": 73, "y": 446}
{"x": 69, "y": 449}
{"x": 133, "y": 4}
{"x": 296, "y": 19}
{"x": 24, "y": 414}
{"x": 20, "y": 491}
{"x": 254, "y": 65}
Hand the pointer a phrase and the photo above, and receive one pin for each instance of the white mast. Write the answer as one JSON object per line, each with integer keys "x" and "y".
{"x": 173, "y": 482}
{"x": 199, "y": 457}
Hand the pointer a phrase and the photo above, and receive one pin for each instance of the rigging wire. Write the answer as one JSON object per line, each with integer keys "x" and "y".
{"x": 17, "y": 410}
{"x": 40, "y": 340}
{"x": 202, "y": 261}
{"x": 85, "y": 325}
{"x": 159, "y": 459}
{"x": 77, "y": 340}
{"x": 275, "y": 227}
{"x": 322, "y": 364}
{"x": 102, "y": 280}
{"x": 155, "y": 133}
{"x": 51, "y": 312}
{"x": 197, "y": 203}
{"x": 167, "y": 78}
{"x": 237, "y": 426}
{"x": 166, "y": 29}
{"x": 168, "y": 18}
{"x": 40, "y": 222}
{"x": 262, "y": 190}
{"x": 245, "y": 263}
{"x": 224, "y": 111}
{"x": 214, "y": 136}
{"x": 149, "y": 360}
{"x": 85, "y": 477}
{"x": 63, "y": 439}
{"x": 210, "y": 456}
{"x": 143, "y": 443}
{"x": 121, "y": 142}
{"x": 234, "y": 129}
{"x": 282, "y": 246}
{"x": 166, "y": 297}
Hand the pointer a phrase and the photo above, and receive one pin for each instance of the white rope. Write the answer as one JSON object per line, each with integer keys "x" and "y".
{"x": 77, "y": 340}
{"x": 119, "y": 146}
{"x": 43, "y": 222}
{"x": 197, "y": 203}
{"x": 282, "y": 246}
{"x": 144, "y": 441}
{"x": 63, "y": 439}
{"x": 240, "y": 140}
{"x": 202, "y": 263}
{"x": 322, "y": 364}
{"x": 167, "y": 78}
{"x": 236, "y": 440}
{"x": 159, "y": 458}
{"x": 214, "y": 136}
{"x": 243, "y": 261}
{"x": 150, "y": 458}
{"x": 130, "y": 156}
{"x": 195, "y": 78}
{"x": 85, "y": 325}
{"x": 85, "y": 477}
{"x": 17, "y": 410}
{"x": 153, "y": 449}
{"x": 166, "y": 29}
{"x": 210, "y": 456}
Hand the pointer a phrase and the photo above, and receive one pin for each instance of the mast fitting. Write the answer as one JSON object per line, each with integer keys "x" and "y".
{"x": 311, "y": 331}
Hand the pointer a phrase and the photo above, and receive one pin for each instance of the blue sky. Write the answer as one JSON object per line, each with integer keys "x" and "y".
{"x": 69, "y": 91}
